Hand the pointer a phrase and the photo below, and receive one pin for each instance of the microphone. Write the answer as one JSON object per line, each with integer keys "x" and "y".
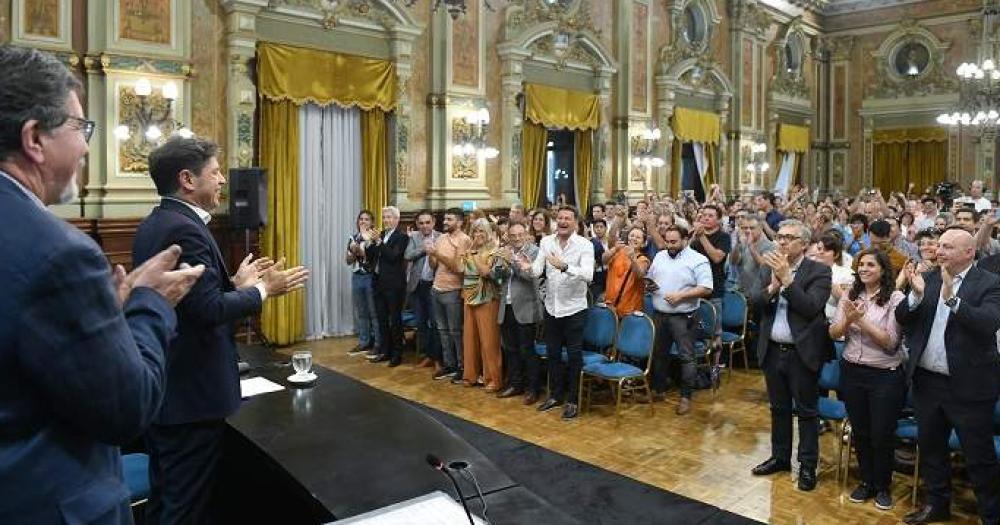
{"x": 437, "y": 464}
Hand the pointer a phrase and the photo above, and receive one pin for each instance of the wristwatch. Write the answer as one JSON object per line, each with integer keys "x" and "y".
{"x": 950, "y": 303}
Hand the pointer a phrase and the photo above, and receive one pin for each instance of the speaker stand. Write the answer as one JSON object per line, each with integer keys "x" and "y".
{"x": 250, "y": 330}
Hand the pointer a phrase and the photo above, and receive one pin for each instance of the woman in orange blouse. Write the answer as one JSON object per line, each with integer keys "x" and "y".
{"x": 626, "y": 269}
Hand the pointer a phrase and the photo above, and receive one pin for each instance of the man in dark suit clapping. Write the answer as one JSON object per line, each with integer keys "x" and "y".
{"x": 387, "y": 253}
{"x": 794, "y": 343}
{"x": 81, "y": 348}
{"x": 203, "y": 385}
{"x": 950, "y": 320}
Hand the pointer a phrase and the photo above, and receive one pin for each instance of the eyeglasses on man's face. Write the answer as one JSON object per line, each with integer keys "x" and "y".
{"x": 83, "y": 125}
{"x": 786, "y": 238}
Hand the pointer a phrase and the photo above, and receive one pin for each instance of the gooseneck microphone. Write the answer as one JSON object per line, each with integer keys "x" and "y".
{"x": 437, "y": 464}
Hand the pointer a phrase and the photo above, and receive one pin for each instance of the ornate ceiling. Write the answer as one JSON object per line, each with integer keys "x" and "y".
{"x": 834, "y": 7}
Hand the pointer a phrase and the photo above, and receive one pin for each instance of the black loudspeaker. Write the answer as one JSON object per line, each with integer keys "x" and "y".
{"x": 247, "y": 198}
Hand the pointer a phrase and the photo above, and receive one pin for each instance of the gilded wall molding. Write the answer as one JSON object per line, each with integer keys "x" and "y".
{"x": 925, "y": 55}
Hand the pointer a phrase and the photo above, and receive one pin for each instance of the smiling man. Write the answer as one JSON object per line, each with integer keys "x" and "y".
{"x": 203, "y": 385}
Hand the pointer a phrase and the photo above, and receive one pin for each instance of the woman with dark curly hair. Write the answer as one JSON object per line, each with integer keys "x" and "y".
{"x": 872, "y": 381}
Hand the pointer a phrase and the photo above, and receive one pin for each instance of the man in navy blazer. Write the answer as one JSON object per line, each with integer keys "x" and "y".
{"x": 950, "y": 320}
{"x": 81, "y": 349}
{"x": 203, "y": 385}
{"x": 387, "y": 253}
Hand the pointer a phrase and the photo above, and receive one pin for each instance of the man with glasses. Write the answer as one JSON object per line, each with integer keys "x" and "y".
{"x": 794, "y": 343}
{"x": 82, "y": 348}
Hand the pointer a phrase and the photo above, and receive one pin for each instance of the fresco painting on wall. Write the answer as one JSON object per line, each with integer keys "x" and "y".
{"x": 911, "y": 59}
{"x": 465, "y": 49}
{"x": 41, "y": 18}
{"x": 145, "y": 20}
{"x": 640, "y": 45}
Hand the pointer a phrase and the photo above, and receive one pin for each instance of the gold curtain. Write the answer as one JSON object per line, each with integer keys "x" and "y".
{"x": 282, "y": 319}
{"x": 929, "y": 134}
{"x": 554, "y": 107}
{"x": 713, "y": 166}
{"x": 533, "y": 139}
{"x": 676, "y": 167}
{"x": 897, "y": 164}
{"x": 374, "y": 163}
{"x": 307, "y": 75}
{"x": 583, "y": 145}
{"x": 691, "y": 125}
{"x": 793, "y": 138}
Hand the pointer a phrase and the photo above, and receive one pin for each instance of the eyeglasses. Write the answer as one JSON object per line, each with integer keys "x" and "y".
{"x": 84, "y": 126}
{"x": 786, "y": 238}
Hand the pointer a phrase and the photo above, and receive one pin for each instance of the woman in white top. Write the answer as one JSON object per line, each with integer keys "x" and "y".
{"x": 828, "y": 251}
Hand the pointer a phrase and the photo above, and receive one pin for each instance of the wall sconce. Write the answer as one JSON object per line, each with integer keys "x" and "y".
{"x": 469, "y": 136}
{"x": 150, "y": 113}
{"x": 757, "y": 163}
{"x": 644, "y": 147}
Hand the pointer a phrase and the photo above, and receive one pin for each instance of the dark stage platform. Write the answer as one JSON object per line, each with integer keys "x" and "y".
{"x": 342, "y": 448}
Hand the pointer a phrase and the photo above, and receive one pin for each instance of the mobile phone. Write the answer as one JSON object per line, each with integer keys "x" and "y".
{"x": 623, "y": 235}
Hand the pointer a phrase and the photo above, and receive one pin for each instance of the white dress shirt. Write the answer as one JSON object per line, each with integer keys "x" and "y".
{"x": 935, "y": 357}
{"x": 673, "y": 274}
{"x": 565, "y": 291}
{"x": 781, "y": 331}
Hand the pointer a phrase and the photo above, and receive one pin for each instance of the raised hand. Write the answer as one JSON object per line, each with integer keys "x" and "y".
{"x": 158, "y": 273}
{"x": 947, "y": 291}
{"x": 250, "y": 271}
{"x": 278, "y": 281}
{"x": 917, "y": 281}
{"x": 554, "y": 260}
{"x": 854, "y": 310}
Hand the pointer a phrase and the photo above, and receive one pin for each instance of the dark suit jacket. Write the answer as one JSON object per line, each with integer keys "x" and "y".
{"x": 806, "y": 298}
{"x": 78, "y": 376}
{"x": 387, "y": 256}
{"x": 202, "y": 376}
{"x": 970, "y": 337}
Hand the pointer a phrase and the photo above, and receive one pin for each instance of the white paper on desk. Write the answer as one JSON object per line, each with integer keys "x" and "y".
{"x": 435, "y": 508}
{"x": 256, "y": 386}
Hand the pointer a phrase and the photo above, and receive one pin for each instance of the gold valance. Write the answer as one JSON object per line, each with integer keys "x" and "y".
{"x": 554, "y": 107}
{"x": 304, "y": 75}
{"x": 929, "y": 134}
{"x": 691, "y": 125}
{"x": 793, "y": 138}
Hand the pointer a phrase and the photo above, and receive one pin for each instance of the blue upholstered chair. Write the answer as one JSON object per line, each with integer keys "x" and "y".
{"x": 634, "y": 341}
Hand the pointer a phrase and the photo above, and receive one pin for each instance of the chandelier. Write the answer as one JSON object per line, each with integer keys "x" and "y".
{"x": 978, "y": 84}
{"x": 152, "y": 114}
{"x": 757, "y": 163}
{"x": 471, "y": 138}
{"x": 644, "y": 147}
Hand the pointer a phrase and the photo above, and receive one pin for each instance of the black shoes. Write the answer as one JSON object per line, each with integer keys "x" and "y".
{"x": 456, "y": 378}
{"x": 771, "y": 466}
{"x": 570, "y": 411}
{"x": 862, "y": 493}
{"x": 510, "y": 392}
{"x": 380, "y": 359}
{"x": 394, "y": 362}
{"x": 927, "y": 514}
{"x": 807, "y": 478}
{"x": 444, "y": 373}
{"x": 883, "y": 500}
{"x": 549, "y": 404}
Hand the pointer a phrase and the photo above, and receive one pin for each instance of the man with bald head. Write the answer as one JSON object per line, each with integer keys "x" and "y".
{"x": 949, "y": 321}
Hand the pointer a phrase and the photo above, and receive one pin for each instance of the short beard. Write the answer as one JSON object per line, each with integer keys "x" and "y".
{"x": 69, "y": 193}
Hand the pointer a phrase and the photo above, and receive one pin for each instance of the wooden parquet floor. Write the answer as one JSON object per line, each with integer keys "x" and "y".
{"x": 706, "y": 455}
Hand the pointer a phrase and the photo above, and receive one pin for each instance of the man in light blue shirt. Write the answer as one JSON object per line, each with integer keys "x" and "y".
{"x": 682, "y": 276}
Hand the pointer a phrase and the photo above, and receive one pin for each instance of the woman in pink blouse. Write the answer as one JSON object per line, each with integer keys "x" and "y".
{"x": 872, "y": 382}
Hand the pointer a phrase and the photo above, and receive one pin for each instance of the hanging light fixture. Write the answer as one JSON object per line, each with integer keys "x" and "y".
{"x": 758, "y": 165}
{"x": 978, "y": 85}
{"x": 472, "y": 139}
{"x": 150, "y": 118}
{"x": 644, "y": 148}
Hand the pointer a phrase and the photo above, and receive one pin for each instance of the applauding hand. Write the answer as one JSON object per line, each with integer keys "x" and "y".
{"x": 278, "y": 281}
{"x": 250, "y": 271}
{"x": 158, "y": 273}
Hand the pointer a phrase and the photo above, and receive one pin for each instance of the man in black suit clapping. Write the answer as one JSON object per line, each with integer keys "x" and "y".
{"x": 950, "y": 320}
{"x": 794, "y": 343}
{"x": 387, "y": 253}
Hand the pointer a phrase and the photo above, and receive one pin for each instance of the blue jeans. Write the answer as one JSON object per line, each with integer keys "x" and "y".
{"x": 448, "y": 315}
{"x": 422, "y": 305}
{"x": 365, "y": 320}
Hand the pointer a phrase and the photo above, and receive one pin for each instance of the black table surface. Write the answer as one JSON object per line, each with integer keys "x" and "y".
{"x": 355, "y": 448}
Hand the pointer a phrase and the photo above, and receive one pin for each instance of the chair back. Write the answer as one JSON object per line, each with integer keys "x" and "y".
{"x": 600, "y": 328}
{"x": 734, "y": 312}
{"x": 647, "y": 304}
{"x": 636, "y": 335}
{"x": 706, "y": 320}
{"x": 829, "y": 375}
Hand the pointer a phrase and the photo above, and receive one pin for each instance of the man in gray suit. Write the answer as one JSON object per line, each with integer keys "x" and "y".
{"x": 419, "y": 279}
{"x": 520, "y": 309}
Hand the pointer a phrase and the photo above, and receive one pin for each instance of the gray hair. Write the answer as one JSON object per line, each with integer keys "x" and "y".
{"x": 34, "y": 86}
{"x": 804, "y": 232}
{"x": 394, "y": 211}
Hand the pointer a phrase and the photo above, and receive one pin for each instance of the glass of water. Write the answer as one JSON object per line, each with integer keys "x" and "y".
{"x": 302, "y": 362}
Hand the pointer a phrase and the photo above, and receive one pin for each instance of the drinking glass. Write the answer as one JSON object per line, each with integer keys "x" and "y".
{"x": 302, "y": 362}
